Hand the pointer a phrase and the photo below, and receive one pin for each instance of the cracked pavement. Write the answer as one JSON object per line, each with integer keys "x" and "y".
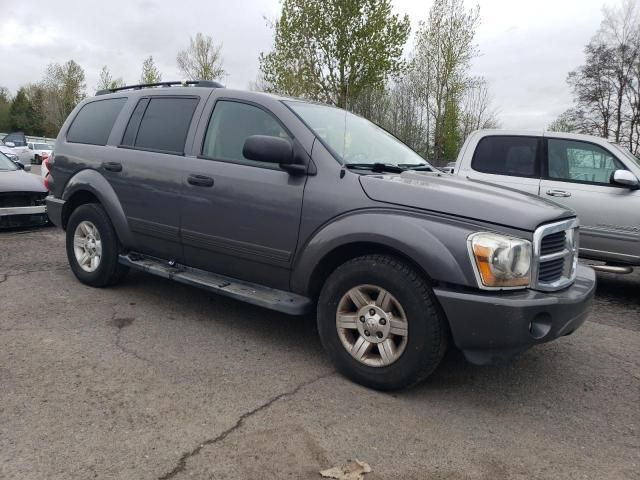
{"x": 156, "y": 380}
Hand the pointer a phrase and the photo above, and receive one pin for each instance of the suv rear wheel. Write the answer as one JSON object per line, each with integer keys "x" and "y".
{"x": 379, "y": 323}
{"x": 93, "y": 247}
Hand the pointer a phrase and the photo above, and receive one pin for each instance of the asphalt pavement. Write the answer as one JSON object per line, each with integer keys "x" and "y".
{"x": 156, "y": 380}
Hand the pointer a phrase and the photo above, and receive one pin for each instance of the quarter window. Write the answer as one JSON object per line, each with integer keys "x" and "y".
{"x": 94, "y": 121}
{"x": 577, "y": 161}
{"x": 231, "y": 124}
{"x": 160, "y": 124}
{"x": 507, "y": 155}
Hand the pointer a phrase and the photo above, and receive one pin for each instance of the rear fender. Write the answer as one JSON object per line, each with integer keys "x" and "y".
{"x": 92, "y": 181}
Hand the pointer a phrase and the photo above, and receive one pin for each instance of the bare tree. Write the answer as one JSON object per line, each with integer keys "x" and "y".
{"x": 202, "y": 60}
{"x": 477, "y": 112}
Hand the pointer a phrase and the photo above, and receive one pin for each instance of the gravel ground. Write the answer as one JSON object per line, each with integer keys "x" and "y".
{"x": 156, "y": 380}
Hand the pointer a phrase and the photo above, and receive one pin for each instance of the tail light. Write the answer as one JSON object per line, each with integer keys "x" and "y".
{"x": 48, "y": 164}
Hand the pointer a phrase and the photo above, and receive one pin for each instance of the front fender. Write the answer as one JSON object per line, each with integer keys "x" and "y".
{"x": 438, "y": 245}
{"x": 92, "y": 181}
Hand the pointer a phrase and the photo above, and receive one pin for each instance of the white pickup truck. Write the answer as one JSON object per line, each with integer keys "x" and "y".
{"x": 596, "y": 178}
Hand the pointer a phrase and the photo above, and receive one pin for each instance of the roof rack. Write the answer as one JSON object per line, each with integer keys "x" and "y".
{"x": 194, "y": 83}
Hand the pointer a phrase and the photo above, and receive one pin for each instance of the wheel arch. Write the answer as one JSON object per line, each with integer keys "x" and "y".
{"x": 89, "y": 186}
{"x": 418, "y": 241}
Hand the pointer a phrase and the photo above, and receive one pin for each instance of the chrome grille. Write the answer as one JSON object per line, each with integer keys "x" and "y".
{"x": 555, "y": 261}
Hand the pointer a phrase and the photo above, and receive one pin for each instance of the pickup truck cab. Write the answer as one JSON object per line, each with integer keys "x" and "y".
{"x": 301, "y": 207}
{"x": 596, "y": 178}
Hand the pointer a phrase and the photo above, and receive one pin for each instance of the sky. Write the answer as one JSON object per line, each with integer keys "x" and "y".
{"x": 526, "y": 47}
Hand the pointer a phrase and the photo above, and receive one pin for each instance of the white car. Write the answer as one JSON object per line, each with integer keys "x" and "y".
{"x": 10, "y": 152}
{"x": 37, "y": 151}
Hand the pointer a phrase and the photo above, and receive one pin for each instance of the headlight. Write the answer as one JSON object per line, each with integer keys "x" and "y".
{"x": 500, "y": 261}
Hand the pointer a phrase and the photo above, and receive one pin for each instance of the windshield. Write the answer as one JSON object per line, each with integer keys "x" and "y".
{"x": 627, "y": 154}
{"x": 353, "y": 139}
{"x": 42, "y": 146}
{"x": 6, "y": 164}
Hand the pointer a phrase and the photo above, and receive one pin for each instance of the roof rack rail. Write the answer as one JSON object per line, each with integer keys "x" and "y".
{"x": 194, "y": 83}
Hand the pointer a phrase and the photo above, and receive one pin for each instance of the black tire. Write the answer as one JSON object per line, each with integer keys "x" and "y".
{"x": 428, "y": 334}
{"x": 37, "y": 160}
{"x": 109, "y": 271}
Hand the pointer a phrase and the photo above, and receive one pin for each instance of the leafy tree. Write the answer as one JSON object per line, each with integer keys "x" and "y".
{"x": 64, "y": 87}
{"x": 106, "y": 80}
{"x": 334, "y": 50}
{"x": 450, "y": 130}
{"x": 5, "y": 109}
{"x": 443, "y": 53}
{"x": 27, "y": 110}
{"x": 202, "y": 60}
{"x": 150, "y": 73}
{"x": 566, "y": 122}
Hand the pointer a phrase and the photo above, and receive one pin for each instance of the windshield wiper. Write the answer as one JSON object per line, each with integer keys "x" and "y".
{"x": 420, "y": 167}
{"x": 376, "y": 167}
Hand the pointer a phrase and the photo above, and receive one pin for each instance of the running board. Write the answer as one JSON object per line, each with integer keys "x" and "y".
{"x": 612, "y": 269}
{"x": 285, "y": 302}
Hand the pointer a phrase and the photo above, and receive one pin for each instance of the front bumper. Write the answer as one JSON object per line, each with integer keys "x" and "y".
{"x": 12, "y": 217}
{"x": 54, "y": 208}
{"x": 493, "y": 326}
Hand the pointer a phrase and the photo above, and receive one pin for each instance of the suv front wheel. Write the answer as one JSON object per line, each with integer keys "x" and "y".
{"x": 93, "y": 247}
{"x": 379, "y": 323}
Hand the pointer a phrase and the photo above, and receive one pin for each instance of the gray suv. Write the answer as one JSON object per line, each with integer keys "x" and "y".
{"x": 296, "y": 206}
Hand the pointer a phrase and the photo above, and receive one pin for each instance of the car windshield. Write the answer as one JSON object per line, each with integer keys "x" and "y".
{"x": 6, "y": 165}
{"x": 353, "y": 139}
{"x": 627, "y": 154}
{"x": 42, "y": 146}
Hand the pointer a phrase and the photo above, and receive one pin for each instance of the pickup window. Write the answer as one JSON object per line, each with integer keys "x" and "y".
{"x": 508, "y": 155}
{"x": 576, "y": 161}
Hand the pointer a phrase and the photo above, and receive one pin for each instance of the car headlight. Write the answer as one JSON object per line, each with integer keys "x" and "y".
{"x": 500, "y": 261}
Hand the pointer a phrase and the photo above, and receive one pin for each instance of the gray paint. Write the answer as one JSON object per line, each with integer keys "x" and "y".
{"x": 266, "y": 226}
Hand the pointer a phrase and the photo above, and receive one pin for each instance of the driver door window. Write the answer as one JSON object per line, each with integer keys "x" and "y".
{"x": 231, "y": 124}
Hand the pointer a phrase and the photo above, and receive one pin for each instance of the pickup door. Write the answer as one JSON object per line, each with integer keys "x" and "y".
{"x": 508, "y": 160}
{"x": 240, "y": 217}
{"x": 578, "y": 174}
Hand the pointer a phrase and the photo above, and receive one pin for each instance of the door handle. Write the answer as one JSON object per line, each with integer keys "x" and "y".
{"x": 558, "y": 193}
{"x": 200, "y": 181}
{"x": 112, "y": 166}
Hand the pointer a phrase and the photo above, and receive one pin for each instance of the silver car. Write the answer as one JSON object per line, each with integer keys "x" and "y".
{"x": 596, "y": 178}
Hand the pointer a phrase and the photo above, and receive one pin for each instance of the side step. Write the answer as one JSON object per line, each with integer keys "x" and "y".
{"x": 285, "y": 302}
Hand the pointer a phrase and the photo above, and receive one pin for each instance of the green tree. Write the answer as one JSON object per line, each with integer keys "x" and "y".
{"x": 150, "y": 73}
{"x": 106, "y": 80}
{"x": 22, "y": 112}
{"x": 202, "y": 60}
{"x": 450, "y": 129}
{"x": 334, "y": 50}
{"x": 5, "y": 109}
{"x": 64, "y": 87}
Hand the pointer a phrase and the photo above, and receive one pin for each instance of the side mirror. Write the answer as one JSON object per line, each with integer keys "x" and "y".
{"x": 10, "y": 144}
{"x": 626, "y": 178}
{"x": 26, "y": 168}
{"x": 263, "y": 148}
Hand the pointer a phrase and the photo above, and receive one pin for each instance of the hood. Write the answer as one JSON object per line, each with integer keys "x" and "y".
{"x": 464, "y": 198}
{"x": 20, "y": 181}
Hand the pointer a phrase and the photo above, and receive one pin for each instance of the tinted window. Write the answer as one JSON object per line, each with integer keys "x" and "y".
{"x": 515, "y": 156}
{"x": 231, "y": 124}
{"x": 580, "y": 162}
{"x": 18, "y": 139}
{"x": 129, "y": 137}
{"x": 94, "y": 121}
{"x": 165, "y": 124}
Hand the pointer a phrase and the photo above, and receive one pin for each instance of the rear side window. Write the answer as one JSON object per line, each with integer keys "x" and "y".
{"x": 94, "y": 121}
{"x": 160, "y": 124}
{"x": 507, "y": 155}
